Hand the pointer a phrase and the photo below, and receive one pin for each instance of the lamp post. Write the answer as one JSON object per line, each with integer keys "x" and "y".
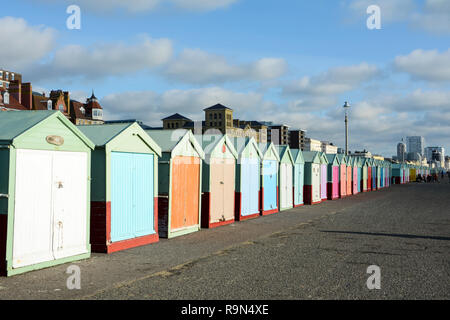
{"x": 346, "y": 106}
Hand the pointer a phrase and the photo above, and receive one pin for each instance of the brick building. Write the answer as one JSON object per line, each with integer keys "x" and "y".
{"x": 15, "y": 95}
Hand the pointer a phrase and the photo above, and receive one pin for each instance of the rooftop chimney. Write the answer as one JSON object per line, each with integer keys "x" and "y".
{"x": 15, "y": 89}
{"x": 27, "y": 96}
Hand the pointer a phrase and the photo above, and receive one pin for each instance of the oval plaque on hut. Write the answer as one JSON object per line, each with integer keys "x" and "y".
{"x": 56, "y": 140}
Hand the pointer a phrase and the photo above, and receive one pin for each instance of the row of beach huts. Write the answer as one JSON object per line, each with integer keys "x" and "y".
{"x": 67, "y": 190}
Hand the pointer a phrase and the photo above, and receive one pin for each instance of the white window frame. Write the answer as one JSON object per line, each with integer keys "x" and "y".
{"x": 6, "y": 98}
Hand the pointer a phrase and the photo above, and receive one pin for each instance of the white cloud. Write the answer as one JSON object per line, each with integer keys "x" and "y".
{"x": 23, "y": 44}
{"x": 151, "y": 107}
{"x": 268, "y": 68}
{"x": 105, "y": 59}
{"x": 435, "y": 17}
{"x": 200, "y": 67}
{"x": 430, "y": 65}
{"x": 375, "y": 124}
{"x": 423, "y": 101}
{"x": 139, "y": 6}
{"x": 321, "y": 91}
{"x": 334, "y": 81}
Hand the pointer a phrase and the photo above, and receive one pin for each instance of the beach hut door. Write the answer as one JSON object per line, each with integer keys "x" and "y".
{"x": 50, "y": 206}
{"x": 132, "y": 179}
{"x": 217, "y": 190}
{"x": 69, "y": 204}
{"x": 316, "y": 182}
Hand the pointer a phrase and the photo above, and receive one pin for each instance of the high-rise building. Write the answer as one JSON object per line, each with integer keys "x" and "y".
{"x": 364, "y": 154}
{"x": 401, "y": 151}
{"x": 277, "y": 133}
{"x": 415, "y": 144}
{"x": 447, "y": 163}
{"x": 429, "y": 151}
{"x": 413, "y": 156}
{"x": 328, "y": 147}
{"x": 297, "y": 139}
{"x": 313, "y": 145}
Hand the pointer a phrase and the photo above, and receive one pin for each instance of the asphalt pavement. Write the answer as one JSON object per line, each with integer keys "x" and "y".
{"x": 312, "y": 252}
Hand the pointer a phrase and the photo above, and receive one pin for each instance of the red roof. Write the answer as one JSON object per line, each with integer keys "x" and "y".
{"x": 13, "y": 104}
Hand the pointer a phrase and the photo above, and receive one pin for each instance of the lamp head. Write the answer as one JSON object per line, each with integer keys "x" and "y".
{"x": 346, "y": 105}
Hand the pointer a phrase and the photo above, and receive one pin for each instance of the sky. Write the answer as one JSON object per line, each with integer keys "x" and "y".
{"x": 293, "y": 62}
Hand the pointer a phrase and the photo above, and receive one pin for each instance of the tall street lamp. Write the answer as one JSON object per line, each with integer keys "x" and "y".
{"x": 346, "y": 106}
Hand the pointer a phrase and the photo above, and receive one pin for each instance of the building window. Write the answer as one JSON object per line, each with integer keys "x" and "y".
{"x": 49, "y": 105}
{"x": 61, "y": 107}
{"x": 12, "y": 76}
{"x": 6, "y": 98}
{"x": 210, "y": 116}
{"x": 220, "y": 116}
{"x": 220, "y": 123}
{"x": 6, "y": 76}
{"x": 83, "y": 111}
{"x": 215, "y": 115}
{"x": 6, "y": 84}
{"x": 97, "y": 114}
{"x": 177, "y": 125}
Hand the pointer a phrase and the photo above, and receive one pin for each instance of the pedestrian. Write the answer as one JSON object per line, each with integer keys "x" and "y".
{"x": 448, "y": 174}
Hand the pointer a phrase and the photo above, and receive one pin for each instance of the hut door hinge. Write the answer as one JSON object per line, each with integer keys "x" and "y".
{"x": 4, "y": 195}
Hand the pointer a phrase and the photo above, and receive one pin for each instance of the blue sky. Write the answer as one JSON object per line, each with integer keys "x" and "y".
{"x": 294, "y": 62}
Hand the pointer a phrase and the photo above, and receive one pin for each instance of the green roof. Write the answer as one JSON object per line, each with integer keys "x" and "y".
{"x": 14, "y": 123}
{"x": 206, "y": 140}
{"x": 297, "y": 155}
{"x": 264, "y": 147}
{"x": 101, "y": 134}
{"x": 323, "y": 158}
{"x": 342, "y": 158}
{"x": 311, "y": 156}
{"x": 284, "y": 150}
{"x": 169, "y": 139}
{"x": 241, "y": 143}
{"x": 210, "y": 141}
{"x": 333, "y": 159}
